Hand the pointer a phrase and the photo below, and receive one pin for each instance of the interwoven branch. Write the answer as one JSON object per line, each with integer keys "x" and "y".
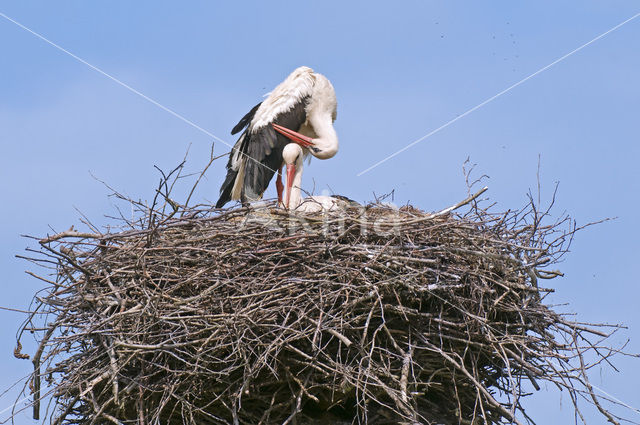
{"x": 255, "y": 316}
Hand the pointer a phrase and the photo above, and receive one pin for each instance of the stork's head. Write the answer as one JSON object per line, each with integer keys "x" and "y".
{"x": 291, "y": 155}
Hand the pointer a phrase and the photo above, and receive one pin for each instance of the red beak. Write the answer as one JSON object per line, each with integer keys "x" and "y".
{"x": 291, "y": 171}
{"x": 300, "y": 139}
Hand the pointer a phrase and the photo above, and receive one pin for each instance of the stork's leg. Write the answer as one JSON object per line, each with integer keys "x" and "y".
{"x": 279, "y": 186}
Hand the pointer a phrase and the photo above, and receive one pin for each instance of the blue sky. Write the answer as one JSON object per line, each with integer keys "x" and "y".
{"x": 400, "y": 70}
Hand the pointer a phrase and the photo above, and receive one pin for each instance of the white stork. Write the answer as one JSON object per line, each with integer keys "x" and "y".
{"x": 293, "y": 157}
{"x": 301, "y": 109}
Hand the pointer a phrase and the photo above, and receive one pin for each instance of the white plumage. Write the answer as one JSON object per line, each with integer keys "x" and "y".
{"x": 285, "y": 96}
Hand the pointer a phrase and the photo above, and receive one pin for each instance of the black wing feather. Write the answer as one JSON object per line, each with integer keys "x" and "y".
{"x": 246, "y": 119}
{"x": 229, "y": 181}
{"x": 227, "y": 187}
{"x": 266, "y": 148}
{"x": 262, "y": 149}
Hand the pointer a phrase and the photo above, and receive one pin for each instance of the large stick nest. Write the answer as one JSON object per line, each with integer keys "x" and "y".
{"x": 253, "y": 316}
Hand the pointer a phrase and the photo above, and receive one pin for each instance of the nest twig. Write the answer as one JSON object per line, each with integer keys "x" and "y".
{"x": 254, "y": 316}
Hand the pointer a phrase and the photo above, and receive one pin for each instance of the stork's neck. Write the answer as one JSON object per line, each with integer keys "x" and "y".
{"x": 326, "y": 140}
